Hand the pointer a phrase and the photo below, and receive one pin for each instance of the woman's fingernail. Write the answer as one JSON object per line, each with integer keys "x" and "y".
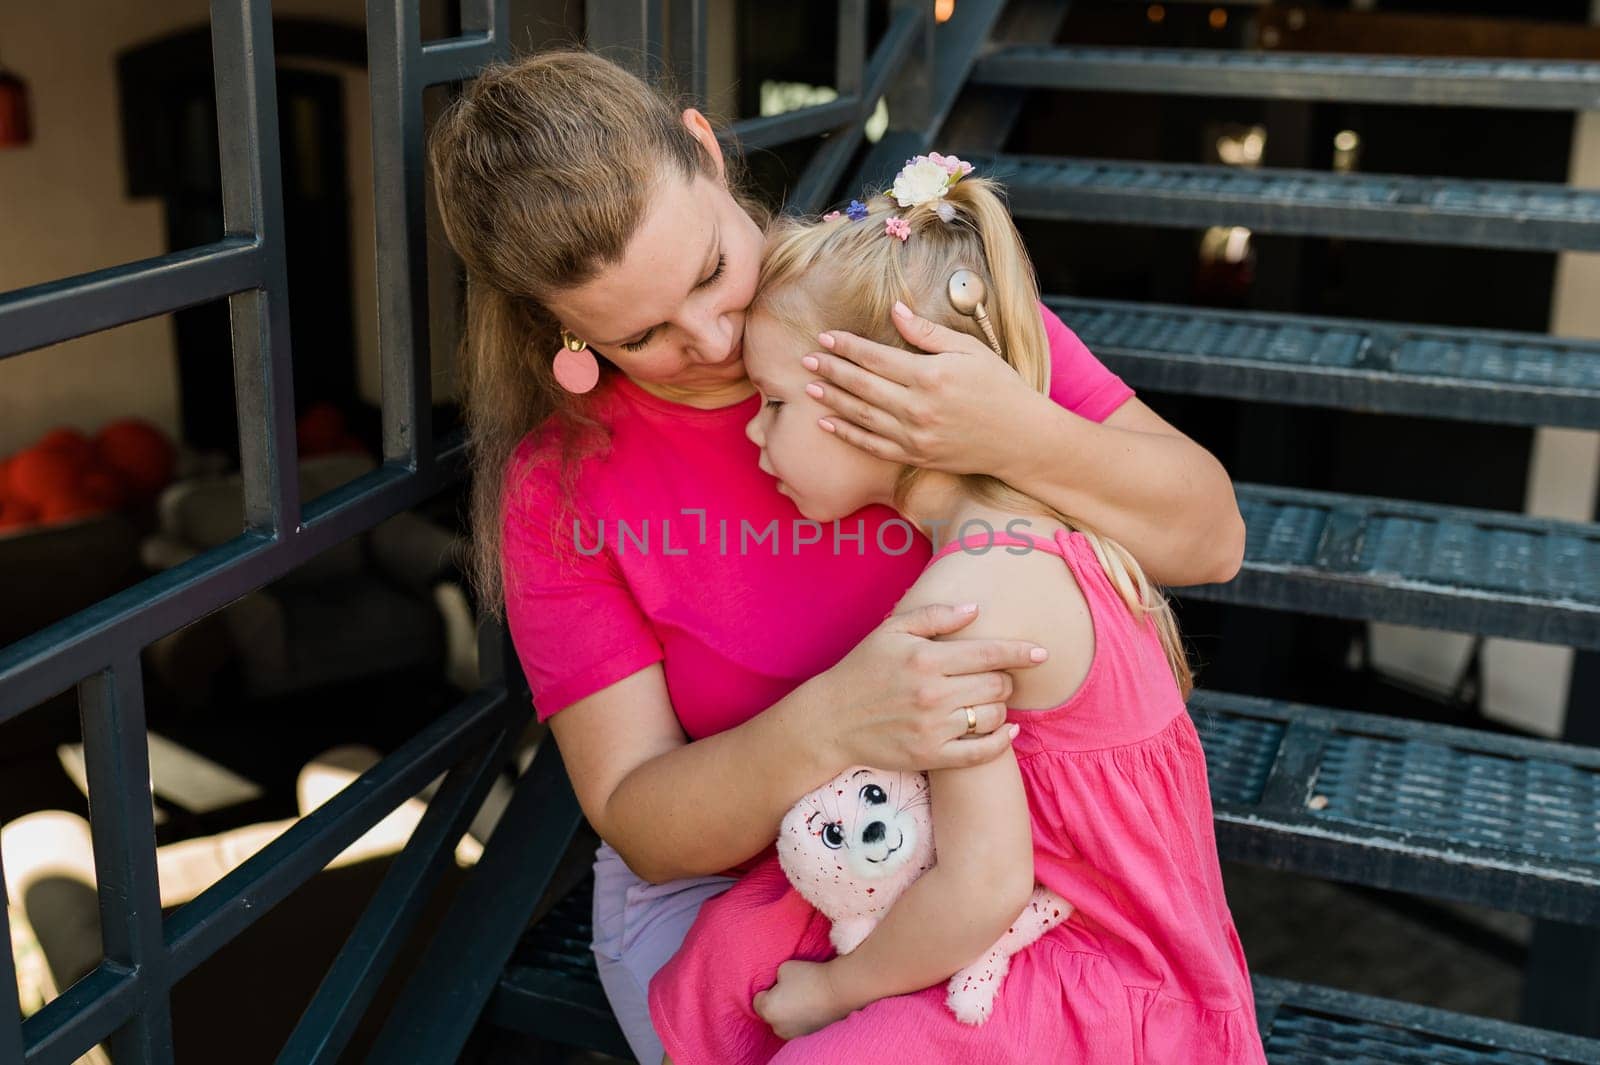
{"x": 901, "y": 309}
{"x": 1013, "y": 730}
{"x": 967, "y": 608}
{"x": 814, "y": 390}
{"x": 825, "y": 339}
{"x": 826, "y": 424}
{"x": 811, "y": 362}
{"x": 1038, "y": 654}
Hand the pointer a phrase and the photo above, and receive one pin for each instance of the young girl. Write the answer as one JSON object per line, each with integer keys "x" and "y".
{"x": 1104, "y": 797}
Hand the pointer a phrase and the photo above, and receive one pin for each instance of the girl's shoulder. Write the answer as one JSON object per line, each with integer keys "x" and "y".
{"x": 1022, "y": 594}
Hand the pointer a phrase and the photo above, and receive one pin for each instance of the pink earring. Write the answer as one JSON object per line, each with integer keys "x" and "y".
{"x": 575, "y": 367}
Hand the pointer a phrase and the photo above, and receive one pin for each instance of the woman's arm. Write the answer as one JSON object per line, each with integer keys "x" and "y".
{"x": 946, "y": 920}
{"x": 674, "y": 809}
{"x": 1135, "y": 478}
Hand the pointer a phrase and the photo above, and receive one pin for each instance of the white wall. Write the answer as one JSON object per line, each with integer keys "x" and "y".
{"x": 64, "y": 210}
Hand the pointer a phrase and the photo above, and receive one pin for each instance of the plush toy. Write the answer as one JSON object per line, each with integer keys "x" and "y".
{"x": 854, "y": 845}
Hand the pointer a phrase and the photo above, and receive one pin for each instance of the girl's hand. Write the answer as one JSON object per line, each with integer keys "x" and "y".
{"x": 898, "y": 700}
{"x": 801, "y": 1002}
{"x": 951, "y": 410}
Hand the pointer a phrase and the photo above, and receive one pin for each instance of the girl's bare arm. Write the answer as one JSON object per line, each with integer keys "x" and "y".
{"x": 960, "y": 907}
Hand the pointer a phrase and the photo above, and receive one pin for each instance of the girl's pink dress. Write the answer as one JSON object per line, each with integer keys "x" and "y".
{"x": 1147, "y": 971}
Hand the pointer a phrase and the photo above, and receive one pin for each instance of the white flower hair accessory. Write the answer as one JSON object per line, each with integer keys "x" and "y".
{"x": 927, "y": 177}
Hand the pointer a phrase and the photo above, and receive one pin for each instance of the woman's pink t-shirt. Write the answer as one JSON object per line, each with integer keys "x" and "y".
{"x": 684, "y": 552}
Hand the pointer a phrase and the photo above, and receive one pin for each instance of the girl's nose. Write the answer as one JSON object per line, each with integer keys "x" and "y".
{"x": 752, "y": 430}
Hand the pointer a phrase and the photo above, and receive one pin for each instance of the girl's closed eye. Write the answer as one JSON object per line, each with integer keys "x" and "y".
{"x": 774, "y": 404}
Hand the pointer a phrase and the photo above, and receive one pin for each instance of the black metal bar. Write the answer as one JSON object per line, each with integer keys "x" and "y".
{"x": 1448, "y": 211}
{"x": 394, "y": 61}
{"x": 850, "y": 57}
{"x": 117, "y": 764}
{"x": 1451, "y": 568}
{"x": 1557, "y": 85}
{"x": 630, "y": 32}
{"x": 389, "y": 917}
{"x": 822, "y": 173}
{"x": 252, "y": 204}
{"x": 10, "y": 1002}
{"x": 455, "y": 59}
{"x": 956, "y": 47}
{"x": 687, "y": 47}
{"x": 82, "y": 1016}
{"x": 53, "y": 311}
{"x": 983, "y": 116}
{"x": 477, "y": 936}
{"x": 797, "y": 124}
{"x": 1471, "y": 374}
{"x": 209, "y": 921}
{"x": 53, "y": 659}
{"x": 485, "y": 38}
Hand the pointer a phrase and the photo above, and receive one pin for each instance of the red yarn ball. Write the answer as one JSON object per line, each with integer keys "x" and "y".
{"x": 140, "y": 453}
{"x": 319, "y": 429}
{"x": 67, "y": 505}
{"x": 39, "y": 473}
{"x": 104, "y": 486}
{"x": 15, "y": 514}
{"x": 69, "y": 442}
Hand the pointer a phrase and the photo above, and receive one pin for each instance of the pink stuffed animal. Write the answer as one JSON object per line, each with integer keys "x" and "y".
{"x": 854, "y": 845}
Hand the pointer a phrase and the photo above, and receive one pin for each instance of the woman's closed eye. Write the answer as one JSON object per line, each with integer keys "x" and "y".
{"x": 715, "y": 275}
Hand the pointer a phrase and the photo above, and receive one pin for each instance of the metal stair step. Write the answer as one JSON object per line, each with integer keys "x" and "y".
{"x": 1382, "y": 367}
{"x": 1455, "y": 568}
{"x": 1559, "y": 85}
{"x": 1497, "y": 821}
{"x": 1449, "y": 211}
{"x": 1302, "y": 1024}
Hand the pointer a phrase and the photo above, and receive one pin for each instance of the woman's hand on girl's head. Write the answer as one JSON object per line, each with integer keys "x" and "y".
{"x": 899, "y": 699}
{"x": 950, "y": 409}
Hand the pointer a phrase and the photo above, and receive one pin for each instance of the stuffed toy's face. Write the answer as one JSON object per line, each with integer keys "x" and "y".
{"x": 855, "y": 843}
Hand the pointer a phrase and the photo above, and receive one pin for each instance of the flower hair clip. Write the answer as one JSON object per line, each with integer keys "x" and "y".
{"x": 927, "y": 177}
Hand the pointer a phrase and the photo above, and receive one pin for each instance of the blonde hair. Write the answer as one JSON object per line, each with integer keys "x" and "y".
{"x": 853, "y": 272}
{"x": 543, "y": 168}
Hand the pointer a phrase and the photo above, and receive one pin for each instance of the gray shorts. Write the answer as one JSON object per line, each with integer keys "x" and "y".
{"x": 637, "y": 927}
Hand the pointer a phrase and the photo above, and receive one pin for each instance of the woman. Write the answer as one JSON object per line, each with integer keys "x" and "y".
{"x": 649, "y": 569}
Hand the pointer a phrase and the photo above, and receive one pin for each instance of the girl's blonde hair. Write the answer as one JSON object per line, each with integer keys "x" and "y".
{"x": 543, "y": 168}
{"x": 852, "y": 273}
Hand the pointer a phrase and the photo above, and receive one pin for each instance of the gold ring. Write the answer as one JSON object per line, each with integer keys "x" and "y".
{"x": 972, "y": 721}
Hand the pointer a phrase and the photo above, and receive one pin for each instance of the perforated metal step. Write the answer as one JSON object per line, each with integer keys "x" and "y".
{"x": 1306, "y": 1025}
{"x": 1473, "y": 375}
{"x": 1497, "y": 821}
{"x": 1455, "y": 568}
{"x": 1449, "y": 211}
{"x": 1520, "y": 83}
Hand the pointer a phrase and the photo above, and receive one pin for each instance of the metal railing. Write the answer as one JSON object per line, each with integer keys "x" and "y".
{"x": 125, "y": 1000}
